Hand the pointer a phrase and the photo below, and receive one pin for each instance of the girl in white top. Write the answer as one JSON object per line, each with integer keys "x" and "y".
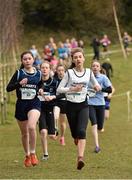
{"x": 74, "y": 85}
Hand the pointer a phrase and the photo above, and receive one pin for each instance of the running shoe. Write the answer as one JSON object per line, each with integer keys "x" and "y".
{"x": 97, "y": 149}
{"x": 45, "y": 157}
{"x": 34, "y": 159}
{"x": 80, "y": 163}
{"x": 62, "y": 141}
{"x": 27, "y": 161}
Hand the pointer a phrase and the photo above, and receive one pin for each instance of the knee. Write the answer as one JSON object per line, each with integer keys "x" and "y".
{"x": 81, "y": 134}
{"x": 31, "y": 127}
{"x": 43, "y": 132}
{"x": 25, "y": 134}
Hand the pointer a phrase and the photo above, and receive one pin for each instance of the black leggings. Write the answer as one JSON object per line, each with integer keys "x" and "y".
{"x": 77, "y": 115}
{"x": 96, "y": 115}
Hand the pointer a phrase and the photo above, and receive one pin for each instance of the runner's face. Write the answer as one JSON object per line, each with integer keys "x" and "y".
{"x": 45, "y": 69}
{"x": 78, "y": 59}
{"x": 60, "y": 72}
{"x": 96, "y": 67}
{"x": 27, "y": 60}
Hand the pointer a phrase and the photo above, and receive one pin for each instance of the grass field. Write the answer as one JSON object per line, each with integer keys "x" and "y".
{"x": 114, "y": 161}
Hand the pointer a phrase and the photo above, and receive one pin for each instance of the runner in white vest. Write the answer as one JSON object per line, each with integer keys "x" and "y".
{"x": 75, "y": 85}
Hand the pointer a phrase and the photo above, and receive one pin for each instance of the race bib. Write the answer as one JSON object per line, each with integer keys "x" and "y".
{"x": 41, "y": 98}
{"x": 77, "y": 97}
{"x": 27, "y": 93}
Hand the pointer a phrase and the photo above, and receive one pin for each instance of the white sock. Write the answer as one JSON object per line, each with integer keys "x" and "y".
{"x": 32, "y": 151}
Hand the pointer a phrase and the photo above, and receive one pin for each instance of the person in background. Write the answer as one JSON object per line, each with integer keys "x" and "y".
{"x": 74, "y": 43}
{"x": 67, "y": 45}
{"x": 81, "y": 44}
{"x": 62, "y": 51}
{"x": 52, "y": 45}
{"x": 107, "y": 97}
{"x": 97, "y": 103}
{"x": 105, "y": 41}
{"x": 26, "y": 81}
{"x": 34, "y": 51}
{"x": 37, "y": 62}
{"x": 74, "y": 85}
{"x": 53, "y": 64}
{"x": 126, "y": 41}
{"x": 107, "y": 66}
{"x": 60, "y": 107}
{"x": 47, "y": 53}
{"x": 95, "y": 44}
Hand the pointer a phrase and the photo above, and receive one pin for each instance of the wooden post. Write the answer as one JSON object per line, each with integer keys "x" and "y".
{"x": 1, "y": 95}
{"x": 118, "y": 29}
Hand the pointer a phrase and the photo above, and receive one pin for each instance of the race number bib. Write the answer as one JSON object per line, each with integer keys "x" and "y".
{"x": 76, "y": 97}
{"x": 41, "y": 98}
{"x": 27, "y": 93}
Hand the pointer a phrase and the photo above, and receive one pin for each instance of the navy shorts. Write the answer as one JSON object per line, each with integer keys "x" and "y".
{"x": 24, "y": 106}
{"x": 62, "y": 105}
{"x": 107, "y": 103}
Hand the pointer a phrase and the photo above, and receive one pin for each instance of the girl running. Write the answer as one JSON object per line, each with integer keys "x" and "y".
{"x": 74, "y": 85}
{"x": 46, "y": 120}
{"x": 97, "y": 103}
{"x": 26, "y": 83}
{"x": 60, "y": 107}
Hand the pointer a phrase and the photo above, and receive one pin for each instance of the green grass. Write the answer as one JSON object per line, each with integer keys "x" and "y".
{"x": 114, "y": 161}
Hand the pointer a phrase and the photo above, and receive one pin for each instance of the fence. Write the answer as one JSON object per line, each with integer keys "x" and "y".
{"x": 6, "y": 71}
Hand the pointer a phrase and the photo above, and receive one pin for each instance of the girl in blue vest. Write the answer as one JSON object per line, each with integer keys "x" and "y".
{"x": 47, "y": 98}
{"x": 26, "y": 82}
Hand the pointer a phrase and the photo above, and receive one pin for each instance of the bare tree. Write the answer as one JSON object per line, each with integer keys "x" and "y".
{"x": 9, "y": 26}
{"x": 9, "y": 42}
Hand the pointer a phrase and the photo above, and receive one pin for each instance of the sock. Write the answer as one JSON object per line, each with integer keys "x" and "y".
{"x": 32, "y": 151}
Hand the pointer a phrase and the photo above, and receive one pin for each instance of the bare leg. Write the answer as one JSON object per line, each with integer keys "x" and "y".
{"x": 62, "y": 125}
{"x": 107, "y": 114}
{"x": 95, "y": 135}
{"x": 23, "y": 125}
{"x": 56, "y": 115}
{"x": 43, "y": 134}
{"x": 62, "y": 129}
{"x": 33, "y": 117}
{"x": 81, "y": 147}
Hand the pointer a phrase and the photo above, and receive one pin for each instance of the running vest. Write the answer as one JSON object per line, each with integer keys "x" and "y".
{"x": 49, "y": 87}
{"x": 73, "y": 80}
{"x": 29, "y": 90}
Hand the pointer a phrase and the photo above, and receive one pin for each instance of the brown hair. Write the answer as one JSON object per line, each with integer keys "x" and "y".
{"x": 75, "y": 50}
{"x": 45, "y": 62}
{"x": 25, "y": 52}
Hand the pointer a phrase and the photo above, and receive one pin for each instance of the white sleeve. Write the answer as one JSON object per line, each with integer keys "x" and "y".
{"x": 62, "y": 86}
{"x": 93, "y": 80}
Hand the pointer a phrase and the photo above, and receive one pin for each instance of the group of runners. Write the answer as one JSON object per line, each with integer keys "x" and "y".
{"x": 43, "y": 97}
{"x": 50, "y": 97}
